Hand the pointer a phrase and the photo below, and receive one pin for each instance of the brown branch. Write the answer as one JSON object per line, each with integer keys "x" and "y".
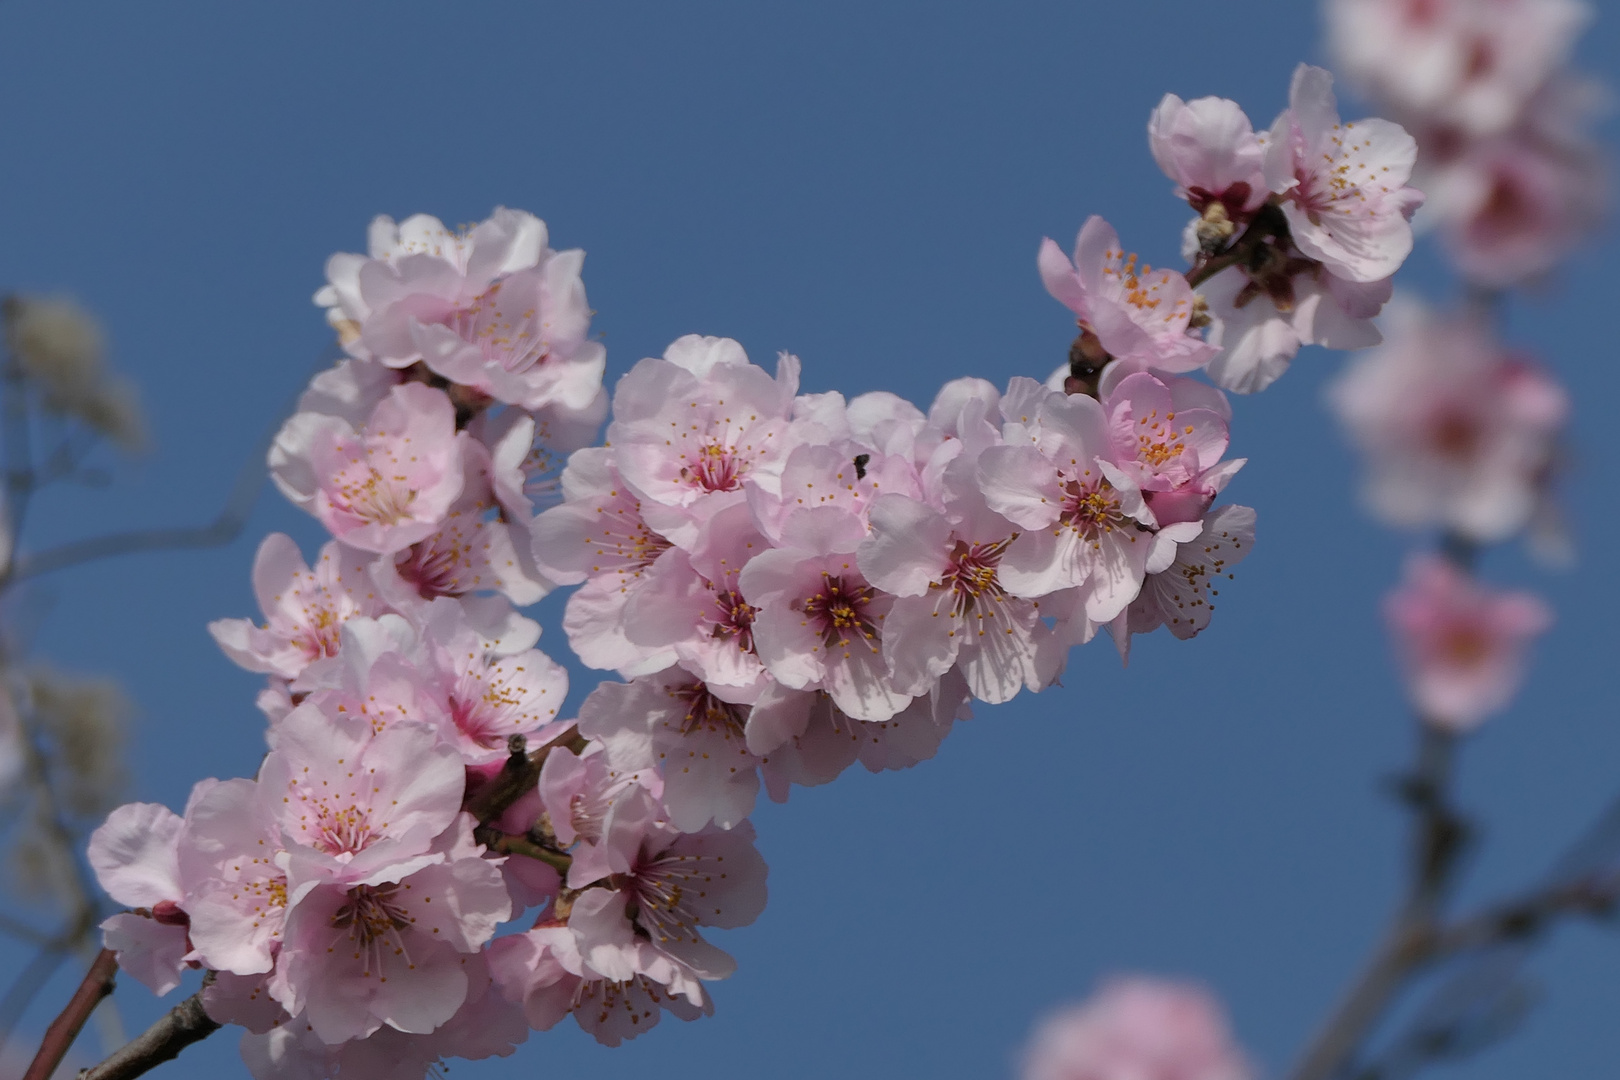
{"x": 509, "y": 844}
{"x": 1439, "y": 837}
{"x": 183, "y": 1025}
{"x": 98, "y": 983}
{"x": 517, "y": 777}
{"x": 1596, "y": 896}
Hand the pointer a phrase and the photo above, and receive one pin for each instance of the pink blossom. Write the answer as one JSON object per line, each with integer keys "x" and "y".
{"x": 493, "y": 309}
{"x": 818, "y": 622}
{"x": 388, "y": 949}
{"x": 378, "y": 487}
{"x": 1182, "y": 597}
{"x": 691, "y": 602}
{"x": 1456, "y": 431}
{"x": 1510, "y": 207}
{"x": 1140, "y": 315}
{"x": 599, "y": 809}
{"x": 234, "y": 863}
{"x": 1260, "y": 315}
{"x": 674, "y": 721}
{"x": 545, "y": 972}
{"x": 951, "y": 607}
{"x": 598, "y": 536}
{"x": 1138, "y": 1028}
{"x": 474, "y": 549}
{"x": 675, "y": 884}
{"x": 135, "y": 856}
{"x": 810, "y": 741}
{"x": 1081, "y": 516}
{"x": 1461, "y": 644}
{"x": 693, "y": 427}
{"x": 1458, "y": 62}
{"x": 1343, "y": 186}
{"x": 1209, "y": 148}
{"x": 304, "y": 609}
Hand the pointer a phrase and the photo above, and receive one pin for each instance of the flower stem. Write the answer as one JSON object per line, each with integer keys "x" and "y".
{"x": 98, "y": 983}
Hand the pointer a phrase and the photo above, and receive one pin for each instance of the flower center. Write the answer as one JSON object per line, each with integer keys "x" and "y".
{"x": 715, "y": 467}
{"x": 1091, "y": 507}
{"x": 972, "y": 574}
{"x": 371, "y": 915}
{"x": 512, "y": 339}
{"x": 704, "y": 710}
{"x": 840, "y": 609}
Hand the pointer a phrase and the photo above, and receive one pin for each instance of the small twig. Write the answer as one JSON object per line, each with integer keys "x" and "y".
{"x": 183, "y": 1025}
{"x": 508, "y": 844}
{"x": 1596, "y": 896}
{"x": 1439, "y": 838}
{"x": 98, "y": 983}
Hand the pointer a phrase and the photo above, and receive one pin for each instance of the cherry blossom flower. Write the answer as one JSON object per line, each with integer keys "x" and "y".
{"x": 675, "y": 883}
{"x": 1457, "y": 432}
{"x": 493, "y": 309}
{"x": 1138, "y": 1028}
{"x": 818, "y": 623}
{"x": 135, "y": 856}
{"x": 1462, "y": 645}
{"x": 233, "y": 859}
{"x": 1209, "y": 148}
{"x": 1139, "y": 314}
{"x": 544, "y": 971}
{"x": 599, "y": 536}
{"x": 1343, "y": 185}
{"x": 1465, "y": 64}
{"x": 673, "y": 721}
{"x": 1181, "y": 597}
{"x": 692, "y": 427}
{"x": 304, "y": 609}
{"x": 1082, "y": 516}
{"x": 380, "y": 487}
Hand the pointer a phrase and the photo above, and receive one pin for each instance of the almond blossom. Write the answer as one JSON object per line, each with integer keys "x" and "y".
{"x": 493, "y": 309}
{"x": 1343, "y": 185}
{"x": 1456, "y": 430}
{"x": 1462, "y": 646}
{"x": 1140, "y": 315}
{"x": 381, "y": 486}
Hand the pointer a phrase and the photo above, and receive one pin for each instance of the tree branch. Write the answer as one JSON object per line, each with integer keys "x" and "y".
{"x": 184, "y": 1024}
{"x": 1439, "y": 837}
{"x": 98, "y": 983}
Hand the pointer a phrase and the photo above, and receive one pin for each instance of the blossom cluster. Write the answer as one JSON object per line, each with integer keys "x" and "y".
{"x": 1514, "y": 179}
{"x": 431, "y": 861}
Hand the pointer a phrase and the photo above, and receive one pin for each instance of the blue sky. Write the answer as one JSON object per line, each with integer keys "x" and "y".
{"x": 864, "y": 185}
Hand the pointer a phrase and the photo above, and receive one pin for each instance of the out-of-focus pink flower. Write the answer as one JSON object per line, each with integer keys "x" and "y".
{"x": 1463, "y": 63}
{"x": 1457, "y": 432}
{"x": 1140, "y": 315}
{"x": 1462, "y": 645}
{"x": 1512, "y": 205}
{"x": 1138, "y": 1028}
{"x": 493, "y": 309}
{"x": 1209, "y": 148}
{"x": 1343, "y": 185}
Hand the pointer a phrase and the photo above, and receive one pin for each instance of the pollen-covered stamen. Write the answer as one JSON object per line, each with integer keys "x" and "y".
{"x": 334, "y": 821}
{"x": 605, "y": 998}
{"x": 1142, "y": 287}
{"x": 362, "y": 490}
{"x": 1158, "y": 440}
{"x": 670, "y": 895}
{"x": 1091, "y": 506}
{"x": 541, "y": 470}
{"x": 704, "y": 711}
{"x": 433, "y": 565}
{"x": 714, "y": 467}
{"x": 971, "y": 575}
{"x": 513, "y": 337}
{"x": 373, "y": 920}
{"x": 839, "y": 611}
{"x": 320, "y": 632}
{"x": 488, "y": 709}
{"x": 622, "y": 540}
{"x": 732, "y": 617}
